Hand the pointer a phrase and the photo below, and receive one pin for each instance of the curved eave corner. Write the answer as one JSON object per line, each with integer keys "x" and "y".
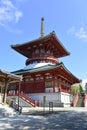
{"x": 47, "y": 37}
{"x": 60, "y": 43}
{"x": 4, "y": 75}
{"x": 74, "y": 78}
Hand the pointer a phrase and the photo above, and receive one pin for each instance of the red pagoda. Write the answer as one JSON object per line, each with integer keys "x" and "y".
{"x": 44, "y": 75}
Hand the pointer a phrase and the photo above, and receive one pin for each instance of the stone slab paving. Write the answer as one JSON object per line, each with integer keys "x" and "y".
{"x": 60, "y": 119}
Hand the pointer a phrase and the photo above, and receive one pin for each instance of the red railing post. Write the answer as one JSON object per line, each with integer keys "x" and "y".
{"x": 75, "y": 100}
{"x": 85, "y": 100}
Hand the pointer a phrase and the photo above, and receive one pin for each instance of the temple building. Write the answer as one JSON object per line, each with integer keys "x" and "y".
{"x": 44, "y": 76}
{"x": 7, "y": 78}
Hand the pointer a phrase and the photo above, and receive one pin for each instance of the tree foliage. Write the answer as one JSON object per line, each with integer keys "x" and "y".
{"x": 81, "y": 89}
{"x": 76, "y": 89}
{"x": 86, "y": 87}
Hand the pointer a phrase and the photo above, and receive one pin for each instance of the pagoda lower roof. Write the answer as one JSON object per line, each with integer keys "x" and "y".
{"x": 50, "y": 41}
{"x": 58, "y": 68}
{"x": 10, "y": 77}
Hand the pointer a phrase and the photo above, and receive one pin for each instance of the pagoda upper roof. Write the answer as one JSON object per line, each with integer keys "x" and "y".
{"x": 51, "y": 41}
{"x": 58, "y": 68}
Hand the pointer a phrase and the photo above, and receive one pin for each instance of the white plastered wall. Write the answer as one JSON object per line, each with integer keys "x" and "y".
{"x": 58, "y": 97}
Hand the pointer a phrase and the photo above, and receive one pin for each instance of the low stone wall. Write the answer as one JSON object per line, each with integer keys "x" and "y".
{"x": 58, "y": 99}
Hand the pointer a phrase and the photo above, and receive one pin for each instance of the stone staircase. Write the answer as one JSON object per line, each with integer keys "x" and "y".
{"x": 22, "y": 103}
{"x": 29, "y": 100}
{"x": 80, "y": 102}
{"x": 24, "y": 100}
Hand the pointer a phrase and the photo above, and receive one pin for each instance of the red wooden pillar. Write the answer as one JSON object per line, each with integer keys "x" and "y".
{"x": 54, "y": 83}
{"x": 19, "y": 89}
{"x": 5, "y": 91}
{"x": 60, "y": 90}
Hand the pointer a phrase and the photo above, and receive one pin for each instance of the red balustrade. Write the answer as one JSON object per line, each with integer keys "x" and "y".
{"x": 85, "y": 100}
{"x": 26, "y": 98}
{"x": 29, "y": 100}
{"x": 75, "y": 100}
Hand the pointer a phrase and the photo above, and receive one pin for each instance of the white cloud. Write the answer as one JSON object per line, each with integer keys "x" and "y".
{"x": 81, "y": 33}
{"x": 9, "y": 13}
{"x": 18, "y": 14}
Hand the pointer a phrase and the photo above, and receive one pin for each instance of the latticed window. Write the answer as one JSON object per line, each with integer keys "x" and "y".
{"x": 48, "y": 84}
{"x": 36, "y": 51}
{"x": 42, "y": 51}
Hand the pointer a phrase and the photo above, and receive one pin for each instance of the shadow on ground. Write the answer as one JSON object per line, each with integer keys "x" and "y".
{"x": 71, "y": 120}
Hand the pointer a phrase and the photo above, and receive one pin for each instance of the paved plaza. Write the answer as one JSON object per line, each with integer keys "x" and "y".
{"x": 70, "y": 119}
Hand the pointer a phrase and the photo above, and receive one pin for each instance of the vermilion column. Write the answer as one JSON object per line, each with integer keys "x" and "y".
{"x": 54, "y": 83}
{"x": 5, "y": 91}
{"x": 60, "y": 87}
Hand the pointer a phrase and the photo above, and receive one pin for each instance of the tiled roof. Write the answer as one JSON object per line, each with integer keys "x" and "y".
{"x": 24, "y": 47}
{"x": 5, "y": 75}
{"x": 62, "y": 70}
{"x": 42, "y": 68}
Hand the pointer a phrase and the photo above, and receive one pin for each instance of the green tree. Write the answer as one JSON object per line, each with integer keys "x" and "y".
{"x": 80, "y": 89}
{"x": 75, "y": 89}
{"x": 85, "y": 87}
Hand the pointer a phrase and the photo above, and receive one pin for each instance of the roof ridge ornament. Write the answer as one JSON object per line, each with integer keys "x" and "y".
{"x": 42, "y": 27}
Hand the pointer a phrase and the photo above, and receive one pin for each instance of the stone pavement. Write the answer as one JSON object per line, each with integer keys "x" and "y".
{"x": 38, "y": 110}
{"x": 60, "y": 119}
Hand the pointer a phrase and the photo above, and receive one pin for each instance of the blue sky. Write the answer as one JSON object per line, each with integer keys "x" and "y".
{"x": 20, "y": 21}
